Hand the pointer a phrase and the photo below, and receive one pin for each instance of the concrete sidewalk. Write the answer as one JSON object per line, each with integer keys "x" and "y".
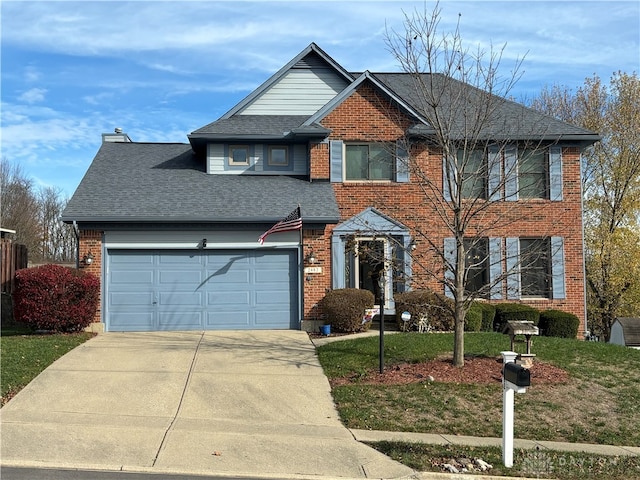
{"x": 241, "y": 403}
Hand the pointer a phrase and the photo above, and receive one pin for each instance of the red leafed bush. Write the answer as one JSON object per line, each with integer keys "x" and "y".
{"x": 56, "y": 298}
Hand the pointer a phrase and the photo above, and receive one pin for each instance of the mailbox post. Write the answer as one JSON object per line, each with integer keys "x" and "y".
{"x": 515, "y": 379}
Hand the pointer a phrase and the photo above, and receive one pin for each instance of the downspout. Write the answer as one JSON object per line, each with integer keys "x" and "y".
{"x": 584, "y": 248}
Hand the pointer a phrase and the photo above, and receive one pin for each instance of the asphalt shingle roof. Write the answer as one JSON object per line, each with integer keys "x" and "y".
{"x": 463, "y": 104}
{"x": 272, "y": 125}
{"x": 160, "y": 182}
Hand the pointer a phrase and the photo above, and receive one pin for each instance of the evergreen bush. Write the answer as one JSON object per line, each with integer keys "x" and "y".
{"x": 556, "y": 323}
{"x": 345, "y": 308}
{"x": 436, "y": 308}
{"x": 507, "y": 312}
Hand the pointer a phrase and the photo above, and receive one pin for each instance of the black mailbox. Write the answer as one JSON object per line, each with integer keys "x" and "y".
{"x": 516, "y": 374}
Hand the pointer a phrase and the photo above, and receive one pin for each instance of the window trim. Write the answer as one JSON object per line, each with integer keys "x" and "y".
{"x": 386, "y": 147}
{"x": 273, "y": 163}
{"x": 522, "y": 154}
{"x": 482, "y": 177}
{"x": 232, "y": 162}
{"x": 545, "y": 243}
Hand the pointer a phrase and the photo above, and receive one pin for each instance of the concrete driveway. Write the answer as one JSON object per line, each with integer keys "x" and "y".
{"x": 246, "y": 403}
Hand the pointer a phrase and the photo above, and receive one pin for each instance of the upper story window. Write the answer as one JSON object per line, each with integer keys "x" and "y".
{"x": 533, "y": 174}
{"x": 238, "y": 155}
{"x": 369, "y": 161}
{"x": 278, "y": 155}
{"x": 473, "y": 167}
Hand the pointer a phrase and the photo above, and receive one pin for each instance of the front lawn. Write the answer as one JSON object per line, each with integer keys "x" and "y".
{"x": 25, "y": 355}
{"x": 599, "y": 403}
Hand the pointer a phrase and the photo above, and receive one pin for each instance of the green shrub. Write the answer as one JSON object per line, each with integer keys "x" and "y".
{"x": 507, "y": 312}
{"x": 345, "y": 307}
{"x": 56, "y": 298}
{"x": 437, "y": 309}
{"x": 488, "y": 316}
{"x": 556, "y": 323}
{"x": 473, "y": 318}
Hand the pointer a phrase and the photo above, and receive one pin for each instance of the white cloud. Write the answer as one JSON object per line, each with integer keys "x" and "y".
{"x": 33, "y": 95}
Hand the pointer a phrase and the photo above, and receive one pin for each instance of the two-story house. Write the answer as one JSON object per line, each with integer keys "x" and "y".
{"x": 172, "y": 229}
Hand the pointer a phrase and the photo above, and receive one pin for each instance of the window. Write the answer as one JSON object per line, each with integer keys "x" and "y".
{"x": 370, "y": 161}
{"x": 533, "y": 174}
{"x": 476, "y": 264}
{"x": 238, "y": 155}
{"x": 278, "y": 156}
{"x": 535, "y": 267}
{"x": 474, "y": 177}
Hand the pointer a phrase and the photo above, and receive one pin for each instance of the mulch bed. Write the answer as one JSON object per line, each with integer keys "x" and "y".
{"x": 476, "y": 370}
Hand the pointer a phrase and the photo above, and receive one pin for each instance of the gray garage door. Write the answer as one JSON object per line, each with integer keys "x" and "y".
{"x": 201, "y": 290}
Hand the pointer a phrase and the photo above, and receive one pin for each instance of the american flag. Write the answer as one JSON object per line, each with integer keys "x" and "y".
{"x": 293, "y": 221}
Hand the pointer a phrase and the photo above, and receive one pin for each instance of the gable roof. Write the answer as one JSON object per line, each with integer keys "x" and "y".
{"x": 631, "y": 330}
{"x": 364, "y": 77}
{"x": 311, "y": 52}
{"x": 509, "y": 121}
{"x": 160, "y": 182}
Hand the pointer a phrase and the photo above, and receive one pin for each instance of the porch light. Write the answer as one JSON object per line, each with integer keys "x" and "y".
{"x": 311, "y": 258}
{"x": 87, "y": 259}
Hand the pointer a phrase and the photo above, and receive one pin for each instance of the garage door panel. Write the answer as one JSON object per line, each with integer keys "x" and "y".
{"x": 180, "y": 277}
{"x": 208, "y": 289}
{"x": 127, "y": 299}
{"x": 133, "y": 321}
{"x": 180, "y": 320}
{"x": 179, "y": 299}
{"x": 216, "y": 299}
{"x": 128, "y": 277}
{"x": 178, "y": 258}
{"x": 272, "y": 297}
{"x": 228, "y": 320}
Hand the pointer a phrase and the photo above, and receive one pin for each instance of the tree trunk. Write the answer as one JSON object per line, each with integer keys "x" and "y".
{"x": 458, "y": 343}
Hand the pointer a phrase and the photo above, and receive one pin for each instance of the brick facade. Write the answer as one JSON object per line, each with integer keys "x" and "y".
{"x": 91, "y": 242}
{"x": 366, "y": 116}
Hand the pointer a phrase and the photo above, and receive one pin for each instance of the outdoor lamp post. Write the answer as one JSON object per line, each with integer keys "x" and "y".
{"x": 382, "y": 284}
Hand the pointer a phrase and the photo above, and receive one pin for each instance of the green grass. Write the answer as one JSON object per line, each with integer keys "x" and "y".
{"x": 24, "y": 355}
{"x": 526, "y": 463}
{"x": 599, "y": 404}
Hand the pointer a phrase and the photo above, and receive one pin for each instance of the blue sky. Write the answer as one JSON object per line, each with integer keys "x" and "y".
{"x": 161, "y": 69}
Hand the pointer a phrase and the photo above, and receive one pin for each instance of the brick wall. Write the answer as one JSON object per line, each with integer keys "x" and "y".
{"x": 91, "y": 242}
{"x": 366, "y": 116}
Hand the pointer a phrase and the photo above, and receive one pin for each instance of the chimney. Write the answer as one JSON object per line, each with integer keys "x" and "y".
{"x": 117, "y": 136}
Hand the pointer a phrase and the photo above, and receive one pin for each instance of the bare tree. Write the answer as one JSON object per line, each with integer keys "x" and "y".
{"x": 611, "y": 184}
{"x": 58, "y": 238}
{"x": 469, "y": 122}
{"x": 19, "y": 206}
{"x": 35, "y": 216}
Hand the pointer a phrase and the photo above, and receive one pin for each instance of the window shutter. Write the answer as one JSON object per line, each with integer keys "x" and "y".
{"x": 513, "y": 268}
{"x": 511, "y": 173}
{"x": 495, "y": 268}
{"x": 402, "y": 162}
{"x": 555, "y": 173}
{"x": 448, "y": 178}
{"x": 335, "y": 158}
{"x": 450, "y": 259}
{"x": 495, "y": 173}
{"x": 337, "y": 262}
{"x": 557, "y": 268}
